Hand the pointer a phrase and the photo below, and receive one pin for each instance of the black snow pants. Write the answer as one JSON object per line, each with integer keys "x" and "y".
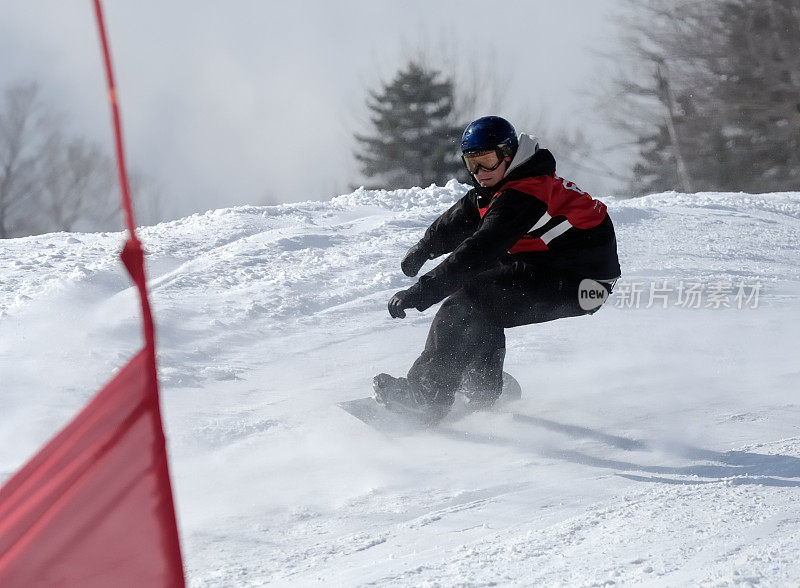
{"x": 466, "y": 343}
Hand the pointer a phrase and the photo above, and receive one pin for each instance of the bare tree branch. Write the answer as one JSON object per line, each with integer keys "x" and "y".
{"x": 20, "y": 117}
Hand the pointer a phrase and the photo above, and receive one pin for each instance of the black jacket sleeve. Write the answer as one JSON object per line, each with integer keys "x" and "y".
{"x": 509, "y": 216}
{"x": 448, "y": 231}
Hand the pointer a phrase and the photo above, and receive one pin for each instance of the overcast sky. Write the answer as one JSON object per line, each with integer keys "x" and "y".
{"x": 231, "y": 102}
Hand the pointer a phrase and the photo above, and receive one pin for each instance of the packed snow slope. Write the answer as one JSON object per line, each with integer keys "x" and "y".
{"x": 654, "y": 445}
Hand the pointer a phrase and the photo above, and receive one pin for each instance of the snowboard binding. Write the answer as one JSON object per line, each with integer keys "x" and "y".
{"x": 399, "y": 397}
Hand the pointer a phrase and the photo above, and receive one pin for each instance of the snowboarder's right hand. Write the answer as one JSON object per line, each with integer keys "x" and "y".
{"x": 414, "y": 259}
{"x": 398, "y": 304}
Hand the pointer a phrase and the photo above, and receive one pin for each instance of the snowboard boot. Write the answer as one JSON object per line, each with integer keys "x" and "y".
{"x": 398, "y": 396}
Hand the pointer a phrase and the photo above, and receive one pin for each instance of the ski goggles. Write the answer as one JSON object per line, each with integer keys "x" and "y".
{"x": 487, "y": 160}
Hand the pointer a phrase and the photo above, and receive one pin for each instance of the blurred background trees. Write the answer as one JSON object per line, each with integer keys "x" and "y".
{"x": 21, "y": 142}
{"x": 706, "y": 96}
{"x": 51, "y": 180}
{"x": 711, "y": 95}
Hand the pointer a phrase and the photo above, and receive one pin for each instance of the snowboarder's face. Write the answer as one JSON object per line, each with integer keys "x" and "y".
{"x": 487, "y": 178}
{"x": 488, "y": 167}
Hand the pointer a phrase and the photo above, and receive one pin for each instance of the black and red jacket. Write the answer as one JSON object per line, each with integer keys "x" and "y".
{"x": 532, "y": 219}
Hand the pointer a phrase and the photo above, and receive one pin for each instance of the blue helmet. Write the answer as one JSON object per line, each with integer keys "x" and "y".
{"x": 489, "y": 133}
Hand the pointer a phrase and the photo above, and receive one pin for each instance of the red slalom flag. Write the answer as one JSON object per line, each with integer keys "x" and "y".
{"x": 94, "y": 507}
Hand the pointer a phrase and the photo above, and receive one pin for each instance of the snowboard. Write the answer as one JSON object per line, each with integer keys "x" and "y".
{"x": 381, "y": 418}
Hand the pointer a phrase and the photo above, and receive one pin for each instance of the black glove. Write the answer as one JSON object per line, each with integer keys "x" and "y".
{"x": 414, "y": 259}
{"x": 398, "y": 303}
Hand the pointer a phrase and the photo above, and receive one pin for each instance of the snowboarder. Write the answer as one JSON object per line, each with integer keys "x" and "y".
{"x": 521, "y": 243}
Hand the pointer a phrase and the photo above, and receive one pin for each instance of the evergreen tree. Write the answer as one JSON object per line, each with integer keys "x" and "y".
{"x": 415, "y": 140}
{"x": 729, "y": 118}
{"x": 758, "y": 92}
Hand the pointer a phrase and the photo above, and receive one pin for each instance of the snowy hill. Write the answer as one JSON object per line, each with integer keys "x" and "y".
{"x": 657, "y": 445}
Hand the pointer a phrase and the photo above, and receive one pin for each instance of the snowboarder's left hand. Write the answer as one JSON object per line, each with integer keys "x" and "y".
{"x": 414, "y": 260}
{"x": 398, "y": 303}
